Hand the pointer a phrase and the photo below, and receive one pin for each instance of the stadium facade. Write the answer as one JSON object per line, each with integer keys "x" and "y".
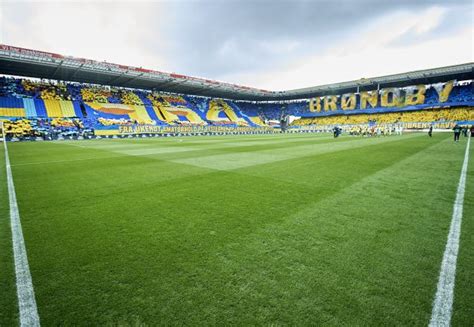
{"x": 67, "y": 97}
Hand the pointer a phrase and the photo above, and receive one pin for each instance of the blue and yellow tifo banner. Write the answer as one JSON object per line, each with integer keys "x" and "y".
{"x": 32, "y": 108}
{"x": 152, "y": 129}
{"x": 389, "y": 100}
{"x": 12, "y": 107}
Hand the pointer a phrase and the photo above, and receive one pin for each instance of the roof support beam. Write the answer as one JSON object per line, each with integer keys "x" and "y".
{"x": 57, "y": 69}
{"x": 113, "y": 79}
{"x": 75, "y": 72}
{"x": 131, "y": 79}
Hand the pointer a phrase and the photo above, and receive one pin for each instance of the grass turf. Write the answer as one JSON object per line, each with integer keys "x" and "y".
{"x": 274, "y": 230}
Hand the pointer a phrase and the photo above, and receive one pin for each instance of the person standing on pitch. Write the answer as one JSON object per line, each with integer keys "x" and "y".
{"x": 457, "y": 132}
{"x": 430, "y": 131}
{"x": 472, "y": 131}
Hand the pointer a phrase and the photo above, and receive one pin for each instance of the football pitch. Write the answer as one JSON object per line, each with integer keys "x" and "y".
{"x": 281, "y": 230}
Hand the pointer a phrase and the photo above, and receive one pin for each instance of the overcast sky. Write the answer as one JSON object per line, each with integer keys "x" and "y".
{"x": 274, "y": 45}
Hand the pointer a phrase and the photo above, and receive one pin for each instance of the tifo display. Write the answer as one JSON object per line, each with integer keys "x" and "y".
{"x": 52, "y": 109}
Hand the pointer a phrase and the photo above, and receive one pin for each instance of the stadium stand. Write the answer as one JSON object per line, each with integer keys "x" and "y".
{"x": 52, "y": 109}
{"x": 425, "y": 116}
{"x": 62, "y": 110}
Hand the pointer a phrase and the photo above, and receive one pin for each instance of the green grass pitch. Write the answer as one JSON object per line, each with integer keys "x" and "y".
{"x": 287, "y": 230}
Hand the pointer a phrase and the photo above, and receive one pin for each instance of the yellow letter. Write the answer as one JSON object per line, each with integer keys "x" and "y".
{"x": 385, "y": 100}
{"x": 348, "y": 101}
{"x": 330, "y": 102}
{"x": 415, "y": 95}
{"x": 444, "y": 90}
{"x": 368, "y": 97}
{"x": 315, "y": 105}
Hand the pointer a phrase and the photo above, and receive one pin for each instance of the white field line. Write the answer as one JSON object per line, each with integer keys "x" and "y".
{"x": 24, "y": 286}
{"x": 443, "y": 301}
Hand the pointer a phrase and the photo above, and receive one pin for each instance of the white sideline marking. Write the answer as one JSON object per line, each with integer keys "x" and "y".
{"x": 24, "y": 285}
{"x": 443, "y": 302}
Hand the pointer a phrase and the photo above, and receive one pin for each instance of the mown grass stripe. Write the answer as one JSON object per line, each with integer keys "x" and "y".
{"x": 24, "y": 285}
{"x": 248, "y": 158}
{"x": 443, "y": 302}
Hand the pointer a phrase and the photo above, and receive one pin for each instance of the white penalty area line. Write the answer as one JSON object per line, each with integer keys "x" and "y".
{"x": 24, "y": 285}
{"x": 443, "y": 301}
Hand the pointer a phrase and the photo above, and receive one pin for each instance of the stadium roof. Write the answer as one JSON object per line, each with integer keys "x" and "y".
{"x": 32, "y": 63}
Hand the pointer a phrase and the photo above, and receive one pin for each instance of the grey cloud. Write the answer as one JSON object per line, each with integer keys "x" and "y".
{"x": 217, "y": 38}
{"x": 223, "y": 38}
{"x": 452, "y": 22}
